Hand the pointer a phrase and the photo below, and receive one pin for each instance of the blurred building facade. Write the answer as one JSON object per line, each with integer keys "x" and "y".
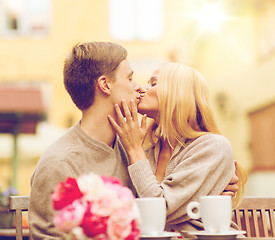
{"x": 238, "y": 62}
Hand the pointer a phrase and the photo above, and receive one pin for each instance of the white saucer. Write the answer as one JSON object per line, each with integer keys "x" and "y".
{"x": 224, "y": 235}
{"x": 162, "y": 235}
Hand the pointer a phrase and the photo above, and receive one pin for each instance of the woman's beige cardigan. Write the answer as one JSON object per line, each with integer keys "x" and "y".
{"x": 203, "y": 167}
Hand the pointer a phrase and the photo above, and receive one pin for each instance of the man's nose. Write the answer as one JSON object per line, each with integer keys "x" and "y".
{"x": 137, "y": 87}
{"x": 145, "y": 88}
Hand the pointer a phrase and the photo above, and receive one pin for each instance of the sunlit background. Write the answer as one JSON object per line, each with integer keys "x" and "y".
{"x": 231, "y": 42}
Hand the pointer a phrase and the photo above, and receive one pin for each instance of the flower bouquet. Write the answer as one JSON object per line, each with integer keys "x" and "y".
{"x": 95, "y": 207}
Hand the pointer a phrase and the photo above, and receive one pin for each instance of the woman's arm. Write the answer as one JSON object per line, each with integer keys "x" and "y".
{"x": 205, "y": 167}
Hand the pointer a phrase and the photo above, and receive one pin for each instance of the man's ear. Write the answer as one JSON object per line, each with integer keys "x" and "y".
{"x": 103, "y": 84}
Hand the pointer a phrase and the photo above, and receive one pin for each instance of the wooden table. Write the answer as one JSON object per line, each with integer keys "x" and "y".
{"x": 11, "y": 234}
{"x": 238, "y": 238}
{"x": 254, "y": 238}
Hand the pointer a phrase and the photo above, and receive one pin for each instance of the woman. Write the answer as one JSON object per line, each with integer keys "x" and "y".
{"x": 187, "y": 157}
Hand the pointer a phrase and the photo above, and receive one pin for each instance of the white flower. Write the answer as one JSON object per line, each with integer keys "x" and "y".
{"x": 105, "y": 203}
{"x": 91, "y": 185}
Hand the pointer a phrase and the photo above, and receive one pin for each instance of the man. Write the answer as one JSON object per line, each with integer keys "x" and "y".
{"x": 96, "y": 75}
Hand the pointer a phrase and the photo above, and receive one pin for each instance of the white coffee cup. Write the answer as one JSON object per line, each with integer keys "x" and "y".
{"x": 215, "y": 212}
{"x": 153, "y": 215}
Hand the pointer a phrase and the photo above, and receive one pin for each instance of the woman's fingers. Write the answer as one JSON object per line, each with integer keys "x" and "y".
{"x": 119, "y": 114}
{"x": 114, "y": 124}
{"x": 130, "y": 118}
{"x": 143, "y": 121}
{"x": 232, "y": 187}
{"x": 126, "y": 110}
{"x": 228, "y": 193}
{"x": 134, "y": 111}
{"x": 234, "y": 179}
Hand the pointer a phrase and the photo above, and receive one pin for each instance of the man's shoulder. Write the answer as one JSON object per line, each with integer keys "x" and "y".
{"x": 50, "y": 162}
{"x": 62, "y": 146}
{"x": 56, "y": 154}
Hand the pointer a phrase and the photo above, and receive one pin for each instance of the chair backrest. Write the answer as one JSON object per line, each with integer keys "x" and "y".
{"x": 19, "y": 204}
{"x": 256, "y": 215}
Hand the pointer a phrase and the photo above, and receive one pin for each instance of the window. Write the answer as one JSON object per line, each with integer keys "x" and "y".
{"x": 266, "y": 27}
{"x": 263, "y": 137}
{"x": 136, "y": 19}
{"x": 25, "y": 17}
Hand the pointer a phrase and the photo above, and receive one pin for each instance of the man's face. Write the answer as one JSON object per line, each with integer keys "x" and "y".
{"x": 123, "y": 86}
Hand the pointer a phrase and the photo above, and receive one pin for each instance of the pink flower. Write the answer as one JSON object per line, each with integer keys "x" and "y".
{"x": 69, "y": 217}
{"x": 124, "y": 194}
{"x": 105, "y": 203}
{"x": 134, "y": 235}
{"x": 118, "y": 230}
{"x": 119, "y": 223}
{"x": 92, "y": 224}
{"x": 65, "y": 193}
{"x": 101, "y": 237}
{"x": 112, "y": 180}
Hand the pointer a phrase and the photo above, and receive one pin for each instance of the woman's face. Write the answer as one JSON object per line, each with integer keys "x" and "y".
{"x": 149, "y": 103}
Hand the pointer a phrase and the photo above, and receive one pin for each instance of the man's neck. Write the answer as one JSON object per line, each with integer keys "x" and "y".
{"x": 95, "y": 124}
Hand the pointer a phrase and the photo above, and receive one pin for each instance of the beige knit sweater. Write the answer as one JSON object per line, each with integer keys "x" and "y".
{"x": 73, "y": 154}
{"x": 204, "y": 167}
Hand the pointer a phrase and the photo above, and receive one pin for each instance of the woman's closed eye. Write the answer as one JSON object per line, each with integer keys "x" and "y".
{"x": 153, "y": 81}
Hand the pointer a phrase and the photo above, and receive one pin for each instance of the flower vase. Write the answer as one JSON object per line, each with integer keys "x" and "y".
{"x": 6, "y": 218}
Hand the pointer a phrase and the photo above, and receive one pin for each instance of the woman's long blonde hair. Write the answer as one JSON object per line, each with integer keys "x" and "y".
{"x": 184, "y": 111}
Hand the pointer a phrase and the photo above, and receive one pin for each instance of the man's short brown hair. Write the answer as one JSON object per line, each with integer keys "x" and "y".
{"x": 85, "y": 64}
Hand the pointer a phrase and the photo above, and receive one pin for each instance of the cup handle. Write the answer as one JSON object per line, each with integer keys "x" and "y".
{"x": 190, "y": 207}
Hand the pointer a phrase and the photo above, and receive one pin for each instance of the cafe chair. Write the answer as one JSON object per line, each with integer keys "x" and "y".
{"x": 256, "y": 216}
{"x": 19, "y": 204}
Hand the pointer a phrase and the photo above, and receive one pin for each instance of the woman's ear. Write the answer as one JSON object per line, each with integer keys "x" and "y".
{"x": 103, "y": 84}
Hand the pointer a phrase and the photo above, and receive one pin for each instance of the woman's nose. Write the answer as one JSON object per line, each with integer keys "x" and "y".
{"x": 146, "y": 88}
